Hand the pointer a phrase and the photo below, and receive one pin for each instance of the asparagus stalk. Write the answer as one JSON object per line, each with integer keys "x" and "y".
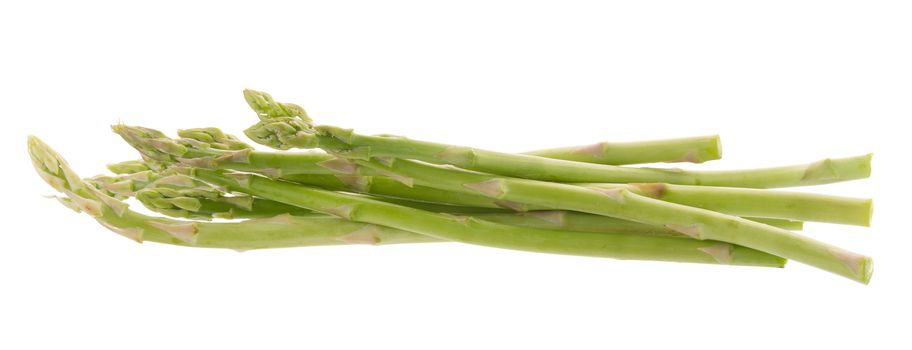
{"x": 625, "y": 204}
{"x": 482, "y": 232}
{"x": 736, "y": 201}
{"x": 278, "y": 128}
{"x": 689, "y": 149}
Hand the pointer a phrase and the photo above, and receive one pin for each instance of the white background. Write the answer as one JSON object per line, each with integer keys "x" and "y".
{"x": 782, "y": 81}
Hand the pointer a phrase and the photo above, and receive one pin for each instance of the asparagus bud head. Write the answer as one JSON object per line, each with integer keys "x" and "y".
{"x": 78, "y": 195}
{"x": 283, "y": 133}
{"x": 151, "y": 143}
{"x": 214, "y": 138}
{"x": 267, "y": 108}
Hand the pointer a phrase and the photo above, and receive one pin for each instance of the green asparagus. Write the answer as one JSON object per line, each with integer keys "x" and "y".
{"x": 353, "y": 188}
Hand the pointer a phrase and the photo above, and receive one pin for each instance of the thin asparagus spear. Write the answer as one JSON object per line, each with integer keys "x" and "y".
{"x": 735, "y": 201}
{"x": 689, "y": 149}
{"x": 686, "y": 149}
{"x": 624, "y": 204}
{"x": 115, "y": 215}
{"x": 285, "y": 127}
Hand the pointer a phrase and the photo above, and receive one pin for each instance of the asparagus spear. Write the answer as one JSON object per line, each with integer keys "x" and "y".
{"x": 285, "y": 127}
{"x": 736, "y": 201}
{"x": 689, "y": 149}
{"x": 624, "y": 204}
{"x": 686, "y": 149}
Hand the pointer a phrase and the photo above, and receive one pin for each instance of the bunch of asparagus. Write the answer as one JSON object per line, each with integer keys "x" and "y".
{"x": 360, "y": 189}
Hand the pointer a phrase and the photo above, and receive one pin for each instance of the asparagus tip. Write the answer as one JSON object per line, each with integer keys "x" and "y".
{"x": 267, "y": 108}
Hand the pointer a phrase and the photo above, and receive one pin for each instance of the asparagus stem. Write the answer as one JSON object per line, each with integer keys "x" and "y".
{"x": 282, "y": 131}
{"x": 476, "y": 231}
{"x": 690, "y": 149}
{"x": 623, "y": 203}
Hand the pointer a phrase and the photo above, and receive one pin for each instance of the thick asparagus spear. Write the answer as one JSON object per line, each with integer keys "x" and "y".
{"x": 286, "y": 126}
{"x": 689, "y": 149}
{"x": 625, "y": 204}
